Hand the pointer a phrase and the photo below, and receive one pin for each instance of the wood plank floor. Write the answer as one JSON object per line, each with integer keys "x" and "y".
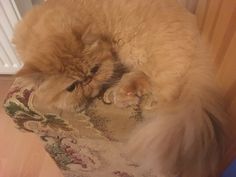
{"x": 21, "y": 154}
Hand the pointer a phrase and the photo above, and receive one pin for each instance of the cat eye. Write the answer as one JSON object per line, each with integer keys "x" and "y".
{"x": 94, "y": 70}
{"x": 72, "y": 87}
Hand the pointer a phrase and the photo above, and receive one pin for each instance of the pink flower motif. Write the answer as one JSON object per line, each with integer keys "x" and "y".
{"x": 122, "y": 174}
{"x": 12, "y": 92}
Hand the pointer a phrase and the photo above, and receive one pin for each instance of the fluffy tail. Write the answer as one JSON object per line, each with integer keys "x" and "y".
{"x": 186, "y": 138}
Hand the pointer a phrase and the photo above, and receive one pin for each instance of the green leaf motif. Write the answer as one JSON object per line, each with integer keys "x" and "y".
{"x": 59, "y": 155}
{"x": 12, "y": 108}
{"x": 56, "y": 123}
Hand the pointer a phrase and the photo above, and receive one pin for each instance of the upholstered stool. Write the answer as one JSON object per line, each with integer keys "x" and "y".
{"x": 83, "y": 144}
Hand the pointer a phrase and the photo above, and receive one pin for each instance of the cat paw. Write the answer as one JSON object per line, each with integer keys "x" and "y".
{"x": 121, "y": 99}
{"x": 133, "y": 89}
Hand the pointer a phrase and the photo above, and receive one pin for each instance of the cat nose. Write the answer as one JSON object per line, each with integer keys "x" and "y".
{"x": 87, "y": 80}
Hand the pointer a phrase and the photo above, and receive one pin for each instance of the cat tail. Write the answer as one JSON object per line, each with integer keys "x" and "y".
{"x": 185, "y": 138}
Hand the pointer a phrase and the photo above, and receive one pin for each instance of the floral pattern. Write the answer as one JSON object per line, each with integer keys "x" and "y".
{"x": 84, "y": 144}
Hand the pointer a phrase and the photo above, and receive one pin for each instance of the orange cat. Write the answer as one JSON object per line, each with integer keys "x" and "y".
{"x": 74, "y": 47}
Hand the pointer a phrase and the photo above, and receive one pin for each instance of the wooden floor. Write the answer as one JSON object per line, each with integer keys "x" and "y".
{"x": 21, "y": 154}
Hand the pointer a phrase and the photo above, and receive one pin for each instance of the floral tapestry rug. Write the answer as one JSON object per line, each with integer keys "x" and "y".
{"x": 85, "y": 144}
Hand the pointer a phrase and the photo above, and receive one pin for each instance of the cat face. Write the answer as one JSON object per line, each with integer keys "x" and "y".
{"x": 70, "y": 70}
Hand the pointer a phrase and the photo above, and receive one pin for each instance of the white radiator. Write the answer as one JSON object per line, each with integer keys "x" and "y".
{"x": 9, "y": 15}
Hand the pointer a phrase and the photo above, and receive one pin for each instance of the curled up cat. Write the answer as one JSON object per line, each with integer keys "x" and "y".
{"x": 74, "y": 49}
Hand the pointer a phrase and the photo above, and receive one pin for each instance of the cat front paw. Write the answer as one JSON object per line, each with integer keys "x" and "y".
{"x": 133, "y": 89}
{"x": 116, "y": 95}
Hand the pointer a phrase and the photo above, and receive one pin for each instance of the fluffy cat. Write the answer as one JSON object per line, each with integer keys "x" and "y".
{"x": 70, "y": 65}
{"x": 65, "y": 41}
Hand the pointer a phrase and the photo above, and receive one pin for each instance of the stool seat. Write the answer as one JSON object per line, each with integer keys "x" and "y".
{"x": 86, "y": 144}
